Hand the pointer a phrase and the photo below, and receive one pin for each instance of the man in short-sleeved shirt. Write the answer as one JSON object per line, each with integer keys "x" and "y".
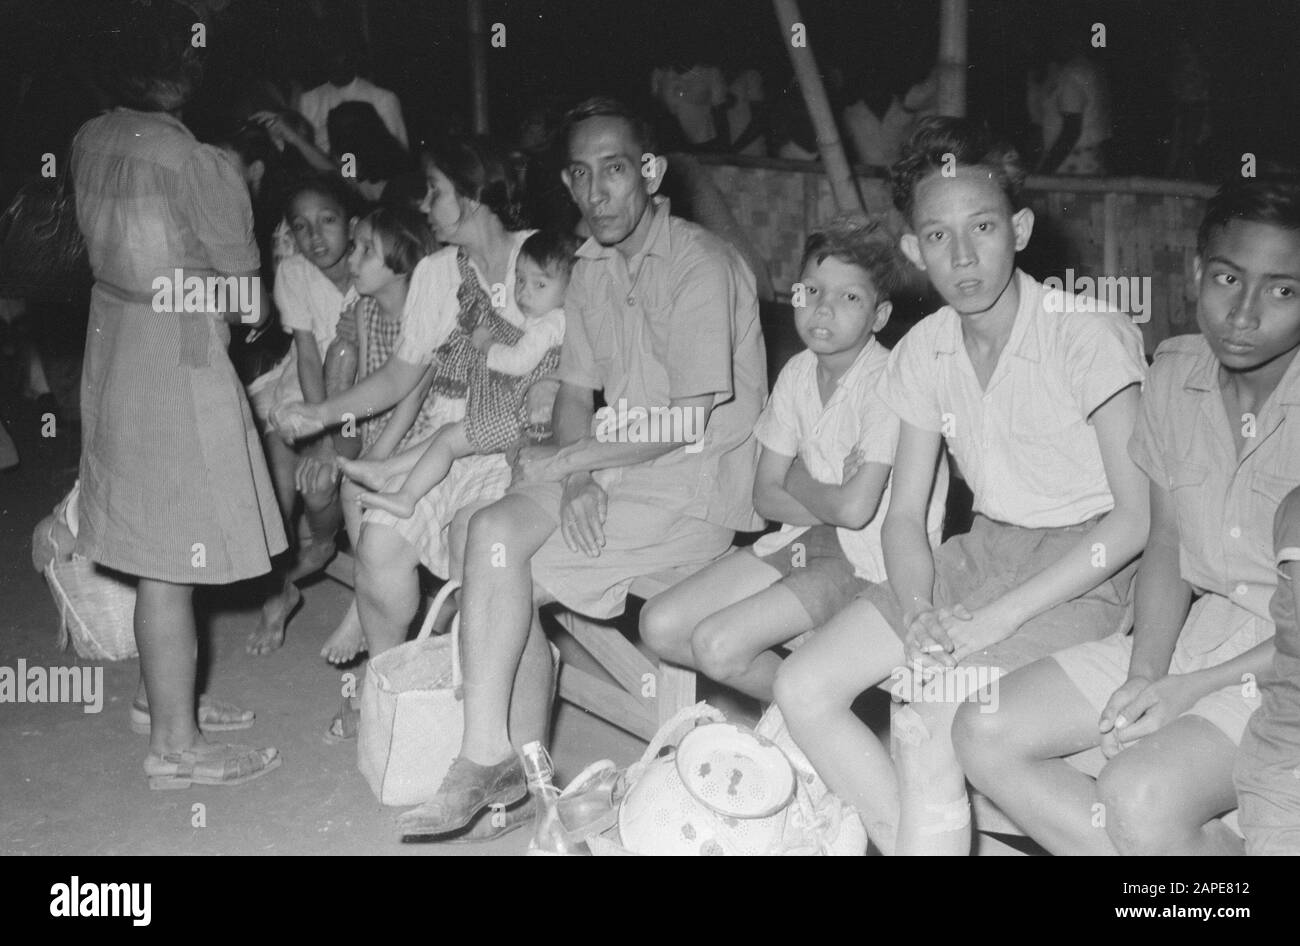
{"x": 662, "y": 317}
{"x": 1225, "y": 509}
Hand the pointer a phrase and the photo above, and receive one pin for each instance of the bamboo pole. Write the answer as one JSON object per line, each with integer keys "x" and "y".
{"x": 952, "y": 58}
{"x": 478, "y": 64}
{"x": 844, "y": 189}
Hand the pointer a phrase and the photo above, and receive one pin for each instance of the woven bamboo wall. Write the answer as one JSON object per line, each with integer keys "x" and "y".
{"x": 1151, "y": 230}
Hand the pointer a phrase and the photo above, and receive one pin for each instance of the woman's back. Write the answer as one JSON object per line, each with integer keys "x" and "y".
{"x": 151, "y": 199}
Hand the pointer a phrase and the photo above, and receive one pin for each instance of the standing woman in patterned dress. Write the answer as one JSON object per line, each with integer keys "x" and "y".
{"x": 174, "y": 487}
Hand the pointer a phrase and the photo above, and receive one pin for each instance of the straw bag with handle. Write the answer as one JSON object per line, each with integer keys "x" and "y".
{"x": 412, "y": 713}
{"x": 96, "y": 609}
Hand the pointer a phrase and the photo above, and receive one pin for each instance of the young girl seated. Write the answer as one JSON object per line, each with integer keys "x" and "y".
{"x": 823, "y": 472}
{"x": 387, "y": 245}
{"x": 504, "y": 362}
{"x": 309, "y": 289}
{"x": 1218, "y": 442}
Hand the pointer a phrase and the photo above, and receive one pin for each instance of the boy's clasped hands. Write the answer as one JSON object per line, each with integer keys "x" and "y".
{"x": 940, "y": 638}
{"x": 1142, "y": 706}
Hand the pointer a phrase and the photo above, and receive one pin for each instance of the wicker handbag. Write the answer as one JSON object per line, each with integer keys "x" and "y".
{"x": 42, "y": 251}
{"x": 96, "y": 608}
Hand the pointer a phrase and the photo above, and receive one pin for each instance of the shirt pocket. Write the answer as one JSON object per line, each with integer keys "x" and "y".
{"x": 1266, "y": 493}
{"x": 1187, "y": 487}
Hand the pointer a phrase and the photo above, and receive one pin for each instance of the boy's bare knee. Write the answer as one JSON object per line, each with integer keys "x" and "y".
{"x": 659, "y": 627}
{"x": 713, "y": 646}
{"x": 976, "y": 734}
{"x": 1137, "y": 800}
{"x": 796, "y": 691}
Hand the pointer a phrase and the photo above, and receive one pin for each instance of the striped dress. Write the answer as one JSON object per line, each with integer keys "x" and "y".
{"x": 174, "y": 484}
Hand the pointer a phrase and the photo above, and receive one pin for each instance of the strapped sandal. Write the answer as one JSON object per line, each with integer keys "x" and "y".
{"x": 214, "y": 716}
{"x": 209, "y": 764}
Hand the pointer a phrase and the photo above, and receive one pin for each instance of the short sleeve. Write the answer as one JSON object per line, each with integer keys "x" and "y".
{"x": 907, "y": 385}
{"x": 878, "y": 434}
{"x": 1286, "y": 528}
{"x": 431, "y": 308}
{"x": 1146, "y": 447}
{"x": 699, "y": 331}
{"x": 292, "y": 295}
{"x": 777, "y": 428}
{"x": 214, "y": 201}
{"x": 1102, "y": 356}
{"x": 578, "y": 364}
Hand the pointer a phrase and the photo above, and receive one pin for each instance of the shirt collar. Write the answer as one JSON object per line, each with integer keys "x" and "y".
{"x": 1024, "y": 341}
{"x": 862, "y": 364}
{"x": 657, "y": 242}
{"x": 1204, "y": 377}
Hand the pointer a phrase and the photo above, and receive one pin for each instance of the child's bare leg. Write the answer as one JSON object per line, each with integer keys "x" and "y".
{"x": 168, "y": 643}
{"x": 324, "y": 516}
{"x": 668, "y": 620}
{"x": 734, "y": 646}
{"x": 934, "y": 809}
{"x": 375, "y": 474}
{"x": 449, "y": 444}
{"x": 1163, "y": 794}
{"x": 815, "y": 688}
{"x": 1015, "y": 756}
{"x": 283, "y": 462}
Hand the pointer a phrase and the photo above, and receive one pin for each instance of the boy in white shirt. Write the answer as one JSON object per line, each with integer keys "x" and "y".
{"x": 499, "y": 375}
{"x": 823, "y": 472}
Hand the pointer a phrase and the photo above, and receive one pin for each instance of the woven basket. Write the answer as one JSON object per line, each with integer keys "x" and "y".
{"x": 96, "y": 610}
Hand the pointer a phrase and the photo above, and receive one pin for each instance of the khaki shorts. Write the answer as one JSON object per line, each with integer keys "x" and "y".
{"x": 640, "y": 539}
{"x": 979, "y": 567}
{"x": 814, "y": 568}
{"x": 1099, "y": 669}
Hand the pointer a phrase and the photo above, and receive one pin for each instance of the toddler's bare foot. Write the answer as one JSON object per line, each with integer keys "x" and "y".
{"x": 372, "y": 474}
{"x": 347, "y": 640}
{"x": 396, "y": 504}
{"x": 269, "y": 635}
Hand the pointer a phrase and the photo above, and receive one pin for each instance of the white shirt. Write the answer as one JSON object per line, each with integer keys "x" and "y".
{"x": 541, "y": 334}
{"x": 307, "y": 300}
{"x": 1024, "y": 444}
{"x": 432, "y": 306}
{"x": 796, "y": 423}
{"x": 317, "y": 103}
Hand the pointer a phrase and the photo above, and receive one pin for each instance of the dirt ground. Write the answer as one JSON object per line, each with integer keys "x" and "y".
{"x": 72, "y": 783}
